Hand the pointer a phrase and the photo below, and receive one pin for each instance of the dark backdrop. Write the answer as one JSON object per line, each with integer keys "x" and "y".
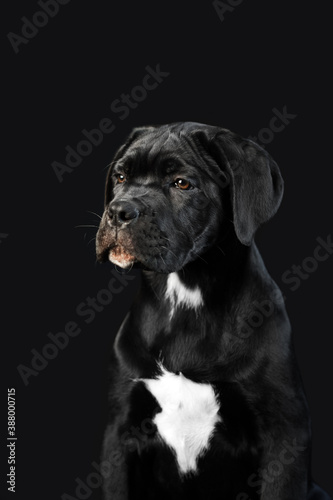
{"x": 237, "y": 68}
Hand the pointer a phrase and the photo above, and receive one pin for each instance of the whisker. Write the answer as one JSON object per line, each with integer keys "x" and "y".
{"x": 109, "y": 165}
{"x": 165, "y": 238}
{"x": 131, "y": 266}
{"x": 200, "y": 257}
{"x": 152, "y": 287}
{"x": 168, "y": 250}
{"x": 94, "y": 213}
{"x": 86, "y": 225}
{"x": 221, "y": 250}
{"x": 162, "y": 259}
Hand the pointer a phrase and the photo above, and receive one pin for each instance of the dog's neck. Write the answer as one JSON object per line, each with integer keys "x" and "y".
{"x": 215, "y": 279}
{"x": 211, "y": 278}
{"x": 169, "y": 320}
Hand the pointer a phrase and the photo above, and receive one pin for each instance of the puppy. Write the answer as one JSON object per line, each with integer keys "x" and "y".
{"x": 206, "y": 401}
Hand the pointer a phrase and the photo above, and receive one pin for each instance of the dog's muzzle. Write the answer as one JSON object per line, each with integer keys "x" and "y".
{"x": 118, "y": 238}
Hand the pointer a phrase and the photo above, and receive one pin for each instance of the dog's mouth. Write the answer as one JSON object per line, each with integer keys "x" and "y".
{"x": 121, "y": 257}
{"x": 144, "y": 246}
{"x": 115, "y": 246}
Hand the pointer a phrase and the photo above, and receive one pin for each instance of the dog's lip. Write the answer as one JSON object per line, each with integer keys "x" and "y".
{"x": 121, "y": 257}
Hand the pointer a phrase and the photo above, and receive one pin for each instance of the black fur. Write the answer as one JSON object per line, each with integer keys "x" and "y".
{"x": 261, "y": 449}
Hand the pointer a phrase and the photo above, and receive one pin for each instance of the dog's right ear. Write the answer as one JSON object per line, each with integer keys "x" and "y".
{"x": 136, "y": 132}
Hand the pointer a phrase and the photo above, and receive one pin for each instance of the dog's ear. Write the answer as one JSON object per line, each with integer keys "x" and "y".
{"x": 256, "y": 185}
{"x": 136, "y": 132}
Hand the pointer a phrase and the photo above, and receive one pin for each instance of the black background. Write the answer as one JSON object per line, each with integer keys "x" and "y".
{"x": 232, "y": 73}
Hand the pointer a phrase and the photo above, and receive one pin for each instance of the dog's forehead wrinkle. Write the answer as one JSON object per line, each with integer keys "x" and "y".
{"x": 168, "y": 143}
{"x": 152, "y": 144}
{"x": 194, "y": 147}
{"x": 144, "y": 181}
{"x": 152, "y": 153}
{"x": 147, "y": 170}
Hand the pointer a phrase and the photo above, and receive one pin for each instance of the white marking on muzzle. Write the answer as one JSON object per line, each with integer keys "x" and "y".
{"x": 188, "y": 417}
{"x": 179, "y": 294}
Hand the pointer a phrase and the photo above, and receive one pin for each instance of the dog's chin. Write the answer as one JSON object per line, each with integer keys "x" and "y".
{"x": 125, "y": 259}
{"x": 122, "y": 258}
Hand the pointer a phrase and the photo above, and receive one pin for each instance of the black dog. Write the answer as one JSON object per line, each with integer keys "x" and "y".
{"x": 206, "y": 401}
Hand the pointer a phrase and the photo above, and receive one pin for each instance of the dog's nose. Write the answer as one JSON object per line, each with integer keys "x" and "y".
{"x": 123, "y": 211}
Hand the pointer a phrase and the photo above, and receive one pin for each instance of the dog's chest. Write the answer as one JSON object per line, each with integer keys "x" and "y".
{"x": 188, "y": 418}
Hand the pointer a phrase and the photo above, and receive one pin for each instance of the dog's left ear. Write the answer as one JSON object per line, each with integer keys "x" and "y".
{"x": 256, "y": 185}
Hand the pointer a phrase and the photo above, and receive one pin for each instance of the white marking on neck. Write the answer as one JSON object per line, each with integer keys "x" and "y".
{"x": 178, "y": 294}
{"x": 188, "y": 417}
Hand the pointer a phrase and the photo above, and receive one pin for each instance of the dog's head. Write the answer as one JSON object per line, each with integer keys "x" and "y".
{"x": 168, "y": 190}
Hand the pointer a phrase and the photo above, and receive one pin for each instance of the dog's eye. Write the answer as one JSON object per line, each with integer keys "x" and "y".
{"x": 182, "y": 184}
{"x": 120, "y": 178}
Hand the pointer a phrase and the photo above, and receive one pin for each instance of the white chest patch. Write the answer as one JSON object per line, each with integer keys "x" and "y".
{"x": 179, "y": 294}
{"x": 188, "y": 417}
